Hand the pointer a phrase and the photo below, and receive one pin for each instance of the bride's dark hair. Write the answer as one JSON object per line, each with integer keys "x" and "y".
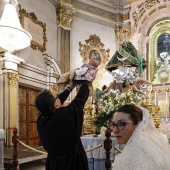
{"x": 134, "y": 112}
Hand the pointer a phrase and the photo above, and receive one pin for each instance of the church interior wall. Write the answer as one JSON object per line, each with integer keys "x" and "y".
{"x": 81, "y": 30}
{"x": 34, "y": 71}
{"x": 45, "y": 12}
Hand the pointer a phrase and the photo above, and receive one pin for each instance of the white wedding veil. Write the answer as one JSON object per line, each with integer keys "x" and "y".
{"x": 147, "y": 148}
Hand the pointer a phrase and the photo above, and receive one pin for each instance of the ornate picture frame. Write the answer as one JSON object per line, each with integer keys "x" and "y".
{"x": 36, "y": 28}
{"x": 94, "y": 48}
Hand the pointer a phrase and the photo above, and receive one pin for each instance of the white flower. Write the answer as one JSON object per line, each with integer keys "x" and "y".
{"x": 123, "y": 95}
{"x": 108, "y": 103}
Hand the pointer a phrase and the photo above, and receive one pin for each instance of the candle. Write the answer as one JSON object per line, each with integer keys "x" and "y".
{"x": 155, "y": 97}
{"x": 166, "y": 98}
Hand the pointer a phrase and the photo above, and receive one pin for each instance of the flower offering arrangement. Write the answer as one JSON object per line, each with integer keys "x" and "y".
{"x": 109, "y": 103}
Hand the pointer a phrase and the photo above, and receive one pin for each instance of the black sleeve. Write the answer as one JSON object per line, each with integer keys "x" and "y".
{"x": 63, "y": 95}
{"x": 82, "y": 95}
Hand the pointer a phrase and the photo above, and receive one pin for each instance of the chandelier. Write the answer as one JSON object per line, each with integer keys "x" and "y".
{"x": 12, "y": 35}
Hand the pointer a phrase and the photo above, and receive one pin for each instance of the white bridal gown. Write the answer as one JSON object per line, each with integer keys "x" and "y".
{"x": 147, "y": 149}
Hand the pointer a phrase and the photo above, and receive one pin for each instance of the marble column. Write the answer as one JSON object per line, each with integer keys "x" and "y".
{"x": 9, "y": 87}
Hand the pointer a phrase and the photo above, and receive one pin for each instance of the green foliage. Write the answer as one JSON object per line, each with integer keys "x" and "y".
{"x": 109, "y": 103}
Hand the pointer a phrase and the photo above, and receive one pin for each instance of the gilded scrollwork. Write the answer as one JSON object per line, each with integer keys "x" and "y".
{"x": 66, "y": 16}
{"x": 34, "y": 44}
{"x": 13, "y": 78}
{"x": 54, "y": 88}
{"x": 94, "y": 44}
{"x": 142, "y": 8}
{"x": 123, "y": 33}
{"x": 118, "y": 33}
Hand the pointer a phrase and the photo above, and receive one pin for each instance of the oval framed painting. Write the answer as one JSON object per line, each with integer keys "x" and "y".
{"x": 95, "y": 53}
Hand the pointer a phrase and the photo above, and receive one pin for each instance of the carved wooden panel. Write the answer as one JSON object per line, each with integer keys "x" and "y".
{"x": 22, "y": 117}
{"x": 33, "y": 130}
{"x": 32, "y": 95}
{"x": 28, "y": 115}
{"x": 22, "y": 130}
{"x": 33, "y": 114}
{"x": 34, "y": 142}
{"x": 22, "y": 96}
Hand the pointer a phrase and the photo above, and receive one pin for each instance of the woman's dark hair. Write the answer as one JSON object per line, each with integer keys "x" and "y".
{"x": 124, "y": 83}
{"x": 44, "y": 102}
{"x": 134, "y": 112}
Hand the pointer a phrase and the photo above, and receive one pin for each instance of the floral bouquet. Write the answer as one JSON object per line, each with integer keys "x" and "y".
{"x": 109, "y": 103}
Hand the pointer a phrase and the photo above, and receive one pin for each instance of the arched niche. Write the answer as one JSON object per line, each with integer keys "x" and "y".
{"x": 158, "y": 52}
{"x": 145, "y": 17}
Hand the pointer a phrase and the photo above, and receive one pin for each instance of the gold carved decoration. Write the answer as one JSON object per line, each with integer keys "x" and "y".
{"x": 12, "y": 78}
{"x": 94, "y": 44}
{"x": 54, "y": 89}
{"x": 144, "y": 20}
{"x": 123, "y": 32}
{"x": 88, "y": 110}
{"x": 153, "y": 11}
{"x": 153, "y": 54}
{"x": 35, "y": 27}
{"x": 153, "y": 110}
{"x": 156, "y": 118}
{"x": 163, "y": 6}
{"x": 67, "y": 1}
{"x": 142, "y": 8}
{"x": 66, "y": 16}
{"x": 94, "y": 48}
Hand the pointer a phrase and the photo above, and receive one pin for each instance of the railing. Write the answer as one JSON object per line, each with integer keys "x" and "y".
{"x": 15, "y": 152}
{"x": 1, "y": 149}
{"x": 107, "y": 147}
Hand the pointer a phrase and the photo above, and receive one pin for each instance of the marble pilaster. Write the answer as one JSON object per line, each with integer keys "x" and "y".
{"x": 9, "y": 86}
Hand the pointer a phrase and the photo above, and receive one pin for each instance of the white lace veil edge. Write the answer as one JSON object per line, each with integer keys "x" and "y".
{"x": 147, "y": 121}
{"x": 147, "y": 148}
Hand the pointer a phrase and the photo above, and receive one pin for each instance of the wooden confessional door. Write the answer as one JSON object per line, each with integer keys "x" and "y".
{"x": 28, "y": 115}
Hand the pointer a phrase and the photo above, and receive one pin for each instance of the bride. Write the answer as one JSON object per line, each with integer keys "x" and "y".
{"x": 146, "y": 148}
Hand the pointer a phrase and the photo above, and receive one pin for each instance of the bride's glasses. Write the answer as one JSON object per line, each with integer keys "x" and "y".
{"x": 119, "y": 125}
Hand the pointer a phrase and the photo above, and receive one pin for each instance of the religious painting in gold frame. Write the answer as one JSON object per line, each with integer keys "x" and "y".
{"x": 95, "y": 53}
{"x": 36, "y": 28}
{"x": 94, "y": 48}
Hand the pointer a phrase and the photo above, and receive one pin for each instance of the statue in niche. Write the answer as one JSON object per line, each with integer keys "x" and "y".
{"x": 166, "y": 43}
{"x": 163, "y": 46}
